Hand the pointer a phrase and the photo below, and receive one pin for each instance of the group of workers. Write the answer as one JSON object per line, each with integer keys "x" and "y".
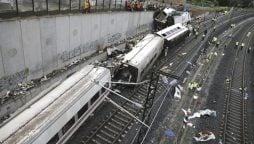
{"x": 134, "y": 5}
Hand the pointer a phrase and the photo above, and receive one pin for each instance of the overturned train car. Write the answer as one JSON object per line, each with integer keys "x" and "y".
{"x": 138, "y": 61}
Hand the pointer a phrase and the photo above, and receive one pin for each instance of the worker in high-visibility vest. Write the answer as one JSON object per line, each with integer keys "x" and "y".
{"x": 215, "y": 39}
{"x": 242, "y": 45}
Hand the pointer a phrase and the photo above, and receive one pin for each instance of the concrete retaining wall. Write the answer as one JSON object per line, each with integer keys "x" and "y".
{"x": 33, "y": 47}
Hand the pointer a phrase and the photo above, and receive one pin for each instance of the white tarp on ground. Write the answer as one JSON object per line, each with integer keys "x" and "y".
{"x": 204, "y": 136}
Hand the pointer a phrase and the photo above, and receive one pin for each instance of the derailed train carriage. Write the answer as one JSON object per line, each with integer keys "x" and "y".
{"x": 58, "y": 114}
{"x": 174, "y": 34}
{"x": 137, "y": 62}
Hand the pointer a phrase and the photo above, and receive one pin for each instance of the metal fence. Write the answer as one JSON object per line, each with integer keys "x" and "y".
{"x": 10, "y": 8}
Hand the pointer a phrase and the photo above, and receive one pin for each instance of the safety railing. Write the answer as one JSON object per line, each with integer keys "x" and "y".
{"x": 12, "y": 8}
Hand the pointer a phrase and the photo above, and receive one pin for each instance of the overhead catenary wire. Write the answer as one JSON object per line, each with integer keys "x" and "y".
{"x": 135, "y": 103}
{"x": 122, "y": 109}
{"x": 128, "y": 83}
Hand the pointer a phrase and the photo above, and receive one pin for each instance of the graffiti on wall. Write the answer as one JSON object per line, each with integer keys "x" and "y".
{"x": 107, "y": 41}
{"x": 14, "y": 79}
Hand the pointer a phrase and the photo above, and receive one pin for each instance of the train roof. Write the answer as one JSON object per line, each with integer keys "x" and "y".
{"x": 29, "y": 122}
{"x": 169, "y": 11}
{"x": 173, "y": 31}
{"x": 142, "y": 49}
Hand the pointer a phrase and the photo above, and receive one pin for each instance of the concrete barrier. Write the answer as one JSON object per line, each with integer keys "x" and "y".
{"x": 33, "y": 47}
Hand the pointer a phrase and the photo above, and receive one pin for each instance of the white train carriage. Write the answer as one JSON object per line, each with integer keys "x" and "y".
{"x": 183, "y": 18}
{"x": 174, "y": 34}
{"x": 138, "y": 61}
{"x": 57, "y": 115}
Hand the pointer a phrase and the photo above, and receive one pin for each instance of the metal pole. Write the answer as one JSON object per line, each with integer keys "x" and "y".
{"x": 47, "y": 6}
{"x": 79, "y": 5}
{"x": 59, "y": 5}
{"x": 33, "y": 5}
{"x": 70, "y": 5}
{"x": 17, "y": 7}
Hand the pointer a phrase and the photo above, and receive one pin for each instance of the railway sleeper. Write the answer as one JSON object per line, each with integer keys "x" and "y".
{"x": 234, "y": 134}
{"x": 114, "y": 126}
{"x": 233, "y": 139}
{"x": 237, "y": 115}
{"x": 235, "y": 129}
{"x": 120, "y": 118}
{"x": 236, "y": 100}
{"x": 230, "y": 141}
{"x": 133, "y": 111}
{"x": 143, "y": 90}
{"x": 233, "y": 121}
{"x": 236, "y": 104}
{"x": 103, "y": 138}
{"x": 114, "y": 132}
{"x": 141, "y": 94}
{"x": 95, "y": 141}
{"x": 124, "y": 115}
{"x": 117, "y": 122}
{"x": 108, "y": 134}
{"x": 235, "y": 110}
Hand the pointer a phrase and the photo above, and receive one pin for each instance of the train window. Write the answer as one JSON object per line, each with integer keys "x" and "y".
{"x": 164, "y": 34}
{"x": 54, "y": 139}
{"x": 82, "y": 110}
{"x": 68, "y": 125}
{"x": 95, "y": 97}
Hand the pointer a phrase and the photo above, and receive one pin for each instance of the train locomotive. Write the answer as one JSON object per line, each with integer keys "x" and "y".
{"x": 58, "y": 114}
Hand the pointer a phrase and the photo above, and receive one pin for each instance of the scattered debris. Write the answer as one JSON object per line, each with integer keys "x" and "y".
{"x": 117, "y": 91}
{"x": 199, "y": 89}
{"x": 184, "y": 53}
{"x": 187, "y": 113}
{"x": 188, "y": 72}
{"x": 164, "y": 79}
{"x": 204, "y": 136}
{"x": 246, "y": 96}
{"x": 203, "y": 113}
{"x": 173, "y": 82}
{"x": 195, "y": 97}
{"x": 177, "y": 93}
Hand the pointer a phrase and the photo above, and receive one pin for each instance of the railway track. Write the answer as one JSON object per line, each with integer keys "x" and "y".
{"x": 115, "y": 125}
{"x": 113, "y": 128}
{"x": 234, "y": 127}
